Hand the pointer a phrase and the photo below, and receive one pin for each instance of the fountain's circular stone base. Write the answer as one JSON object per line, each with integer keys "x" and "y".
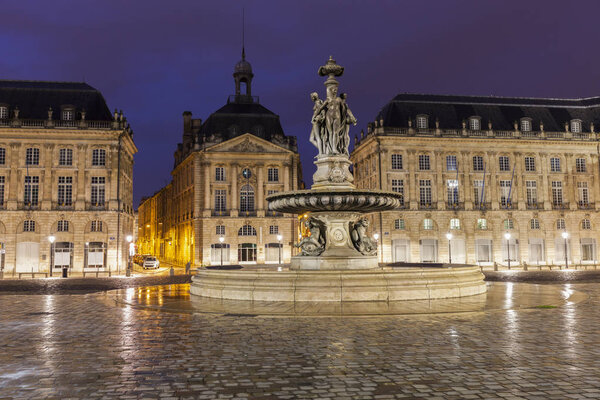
{"x": 332, "y": 263}
{"x": 381, "y": 284}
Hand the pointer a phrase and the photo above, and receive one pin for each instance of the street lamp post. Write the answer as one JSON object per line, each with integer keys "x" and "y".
{"x": 507, "y": 237}
{"x": 221, "y": 240}
{"x": 51, "y": 239}
{"x": 565, "y": 236}
{"x": 129, "y": 238}
{"x": 449, "y": 237}
{"x": 279, "y": 237}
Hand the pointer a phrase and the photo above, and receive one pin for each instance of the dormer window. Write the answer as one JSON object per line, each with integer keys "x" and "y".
{"x": 525, "y": 124}
{"x": 475, "y": 123}
{"x": 68, "y": 114}
{"x": 3, "y": 112}
{"x": 422, "y": 122}
{"x": 576, "y": 126}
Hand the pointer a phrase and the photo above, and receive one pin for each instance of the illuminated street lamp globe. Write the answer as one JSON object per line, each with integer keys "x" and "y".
{"x": 565, "y": 235}
{"x": 51, "y": 239}
{"x": 221, "y": 239}
{"x": 449, "y": 236}
{"x": 376, "y": 236}
{"x": 129, "y": 238}
{"x": 507, "y": 236}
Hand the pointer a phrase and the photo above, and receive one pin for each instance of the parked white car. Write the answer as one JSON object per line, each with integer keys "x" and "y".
{"x": 150, "y": 263}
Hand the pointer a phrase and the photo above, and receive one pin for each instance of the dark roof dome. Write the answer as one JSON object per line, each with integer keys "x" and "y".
{"x": 243, "y": 66}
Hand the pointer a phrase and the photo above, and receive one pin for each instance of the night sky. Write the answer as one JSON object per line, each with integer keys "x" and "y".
{"x": 155, "y": 59}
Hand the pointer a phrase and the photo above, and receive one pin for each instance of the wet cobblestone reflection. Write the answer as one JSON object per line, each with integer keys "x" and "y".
{"x": 85, "y": 347}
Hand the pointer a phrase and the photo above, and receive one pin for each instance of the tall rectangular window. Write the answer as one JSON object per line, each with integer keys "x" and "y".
{"x": 220, "y": 200}
{"x": 580, "y": 165}
{"x": 451, "y": 164}
{"x": 220, "y": 230}
{"x": 477, "y": 191}
{"x": 424, "y": 164}
{"x": 98, "y": 157}
{"x": 584, "y": 198}
{"x": 65, "y": 190}
{"x": 398, "y": 187}
{"x": 396, "y": 161}
{"x": 273, "y": 174}
{"x": 32, "y": 156}
{"x": 504, "y": 193}
{"x": 530, "y": 164}
{"x": 96, "y": 226}
{"x": 62, "y": 226}
{"x": 557, "y": 196}
{"x": 477, "y": 163}
{"x": 219, "y": 174}
{"x": 98, "y": 190}
{"x": 425, "y": 192}
{"x": 504, "y": 164}
{"x": 531, "y": 192}
{"x": 65, "y": 157}
{"x": 554, "y": 164}
{"x": 1, "y": 191}
{"x": 32, "y": 190}
{"x": 452, "y": 186}
{"x": 2, "y": 156}
{"x": 3, "y": 112}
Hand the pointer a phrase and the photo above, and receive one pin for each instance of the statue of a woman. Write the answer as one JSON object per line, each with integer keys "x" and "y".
{"x": 316, "y": 134}
{"x": 348, "y": 118}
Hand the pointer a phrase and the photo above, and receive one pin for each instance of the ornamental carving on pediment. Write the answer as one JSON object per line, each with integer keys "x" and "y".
{"x": 247, "y": 147}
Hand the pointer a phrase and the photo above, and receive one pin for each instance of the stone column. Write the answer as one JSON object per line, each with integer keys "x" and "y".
{"x": 234, "y": 190}
{"x": 206, "y": 186}
{"x": 260, "y": 189}
{"x": 13, "y": 184}
{"x": 80, "y": 184}
{"x": 544, "y": 196}
{"x": 286, "y": 176}
{"x": 46, "y": 177}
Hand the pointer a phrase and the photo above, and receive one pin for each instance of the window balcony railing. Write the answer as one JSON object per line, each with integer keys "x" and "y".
{"x": 508, "y": 205}
{"x": 62, "y": 205}
{"x": 22, "y": 205}
{"x": 426, "y": 206}
{"x": 584, "y": 205}
{"x": 89, "y": 206}
{"x": 560, "y": 206}
{"x": 220, "y": 213}
{"x": 482, "y": 206}
{"x": 270, "y": 213}
{"x": 534, "y": 205}
{"x": 247, "y": 213}
{"x": 455, "y": 206}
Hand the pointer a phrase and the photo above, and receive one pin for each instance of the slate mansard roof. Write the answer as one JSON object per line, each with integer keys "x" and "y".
{"x": 243, "y": 114}
{"x": 34, "y": 98}
{"x": 452, "y": 110}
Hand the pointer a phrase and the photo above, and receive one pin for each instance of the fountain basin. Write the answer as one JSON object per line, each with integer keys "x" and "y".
{"x": 381, "y": 284}
{"x": 364, "y": 201}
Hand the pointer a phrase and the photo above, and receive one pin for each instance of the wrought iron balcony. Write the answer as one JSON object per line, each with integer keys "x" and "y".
{"x": 89, "y": 206}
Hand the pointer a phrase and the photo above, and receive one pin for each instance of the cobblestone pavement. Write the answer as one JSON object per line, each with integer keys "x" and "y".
{"x": 82, "y": 347}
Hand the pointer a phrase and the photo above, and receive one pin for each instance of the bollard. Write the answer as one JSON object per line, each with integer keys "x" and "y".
{"x": 495, "y": 266}
{"x": 172, "y": 271}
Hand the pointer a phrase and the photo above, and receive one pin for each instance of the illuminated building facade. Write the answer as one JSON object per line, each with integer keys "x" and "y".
{"x": 224, "y": 169}
{"x": 66, "y": 168}
{"x": 504, "y": 178}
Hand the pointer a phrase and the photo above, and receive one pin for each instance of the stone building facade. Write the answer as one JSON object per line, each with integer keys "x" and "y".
{"x": 508, "y": 178}
{"x": 224, "y": 169}
{"x": 66, "y": 169}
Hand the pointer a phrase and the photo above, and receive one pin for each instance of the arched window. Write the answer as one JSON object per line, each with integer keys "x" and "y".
{"x": 482, "y": 224}
{"x": 560, "y": 224}
{"x": 428, "y": 224}
{"x": 28, "y": 226}
{"x": 247, "y": 230}
{"x": 509, "y": 224}
{"x": 454, "y": 223}
{"x": 525, "y": 124}
{"x": 246, "y": 198}
{"x": 62, "y": 226}
{"x": 96, "y": 226}
{"x": 576, "y": 126}
{"x": 534, "y": 223}
{"x": 586, "y": 224}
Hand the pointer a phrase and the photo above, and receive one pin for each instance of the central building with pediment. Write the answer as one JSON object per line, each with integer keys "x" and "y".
{"x": 215, "y": 207}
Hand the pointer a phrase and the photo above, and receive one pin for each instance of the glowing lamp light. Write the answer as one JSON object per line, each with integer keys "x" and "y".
{"x": 565, "y": 235}
{"x": 51, "y": 239}
{"x": 507, "y": 236}
{"x": 129, "y": 238}
{"x": 376, "y": 236}
{"x": 449, "y": 236}
{"x": 221, "y": 239}
{"x": 279, "y": 237}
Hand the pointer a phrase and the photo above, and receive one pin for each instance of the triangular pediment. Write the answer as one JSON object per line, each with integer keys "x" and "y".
{"x": 247, "y": 143}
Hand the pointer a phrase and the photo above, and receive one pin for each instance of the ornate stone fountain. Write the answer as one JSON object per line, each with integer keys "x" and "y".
{"x": 338, "y": 230}
{"x": 337, "y": 260}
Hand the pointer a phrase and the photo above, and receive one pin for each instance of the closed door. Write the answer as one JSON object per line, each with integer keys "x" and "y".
{"x": 28, "y": 257}
{"x": 400, "y": 250}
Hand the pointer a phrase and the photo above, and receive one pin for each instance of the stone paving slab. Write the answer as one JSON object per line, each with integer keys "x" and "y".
{"x": 80, "y": 347}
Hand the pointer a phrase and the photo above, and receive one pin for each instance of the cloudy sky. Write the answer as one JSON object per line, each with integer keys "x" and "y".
{"x": 155, "y": 59}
